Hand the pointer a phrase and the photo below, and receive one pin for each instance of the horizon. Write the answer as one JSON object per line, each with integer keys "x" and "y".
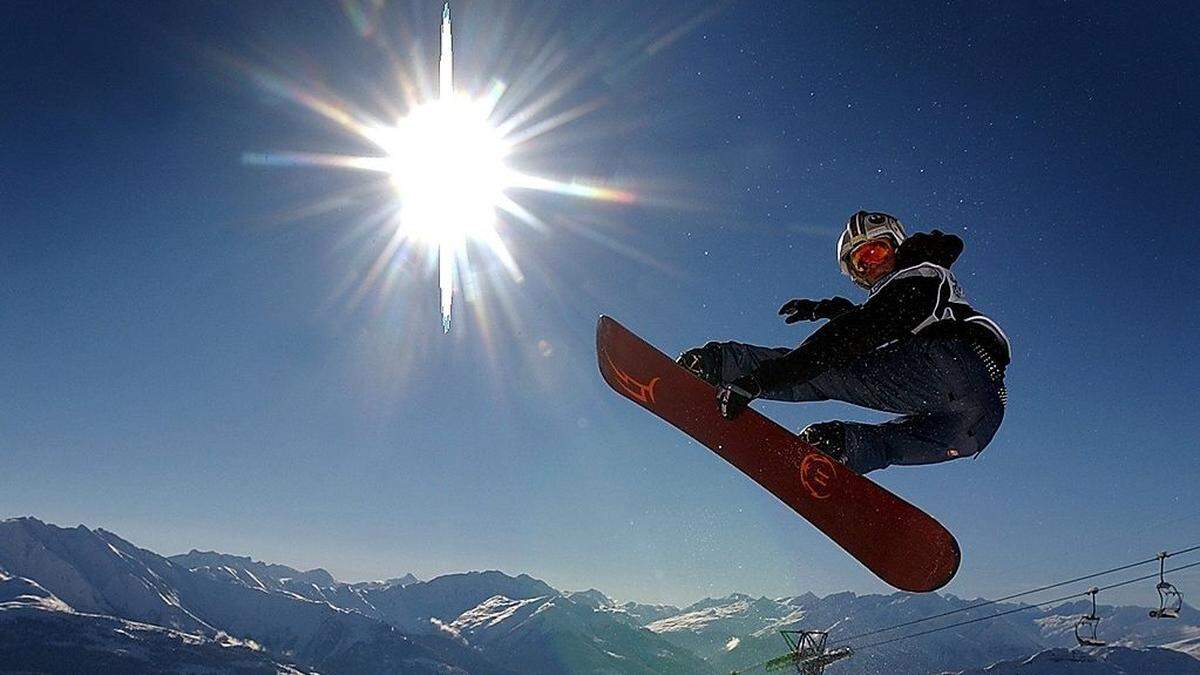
{"x": 81, "y": 597}
{"x": 536, "y": 577}
{"x": 214, "y": 336}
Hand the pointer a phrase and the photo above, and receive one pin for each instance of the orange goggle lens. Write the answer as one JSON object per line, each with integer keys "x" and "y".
{"x": 870, "y": 253}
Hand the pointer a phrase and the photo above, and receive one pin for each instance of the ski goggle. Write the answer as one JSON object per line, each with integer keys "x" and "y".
{"x": 870, "y": 253}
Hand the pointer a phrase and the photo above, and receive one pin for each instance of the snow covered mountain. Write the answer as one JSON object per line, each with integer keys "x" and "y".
{"x": 316, "y": 584}
{"x": 97, "y": 572}
{"x": 738, "y": 631}
{"x": 71, "y": 599}
{"x": 264, "y": 574}
{"x": 556, "y": 634}
{"x": 1107, "y": 661}
{"x": 632, "y": 613}
{"x": 381, "y": 584}
{"x": 41, "y": 633}
{"x": 716, "y": 625}
{"x": 524, "y": 624}
{"x": 1124, "y": 626}
{"x": 425, "y": 606}
{"x": 96, "y": 583}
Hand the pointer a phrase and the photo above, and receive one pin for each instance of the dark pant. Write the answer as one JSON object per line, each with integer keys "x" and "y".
{"x": 949, "y": 400}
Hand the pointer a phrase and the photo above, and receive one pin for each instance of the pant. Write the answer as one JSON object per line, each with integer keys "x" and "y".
{"x": 948, "y": 393}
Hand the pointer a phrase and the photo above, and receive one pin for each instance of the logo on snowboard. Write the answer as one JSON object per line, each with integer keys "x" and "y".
{"x": 818, "y": 474}
{"x": 641, "y": 391}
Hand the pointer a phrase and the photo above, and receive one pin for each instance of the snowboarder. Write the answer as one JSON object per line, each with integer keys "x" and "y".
{"x": 914, "y": 347}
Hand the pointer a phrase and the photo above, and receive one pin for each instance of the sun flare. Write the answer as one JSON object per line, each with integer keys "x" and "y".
{"x": 450, "y": 176}
{"x": 446, "y": 163}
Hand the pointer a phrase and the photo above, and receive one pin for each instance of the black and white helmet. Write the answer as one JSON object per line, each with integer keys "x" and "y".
{"x": 863, "y": 226}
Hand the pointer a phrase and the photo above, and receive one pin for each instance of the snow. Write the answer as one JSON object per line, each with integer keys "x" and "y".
{"x": 1106, "y": 661}
{"x": 1189, "y": 644}
{"x": 491, "y": 612}
{"x": 700, "y": 619}
{"x": 21, "y": 592}
{"x": 31, "y": 616}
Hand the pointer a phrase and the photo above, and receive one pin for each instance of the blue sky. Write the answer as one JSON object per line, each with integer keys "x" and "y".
{"x": 181, "y": 364}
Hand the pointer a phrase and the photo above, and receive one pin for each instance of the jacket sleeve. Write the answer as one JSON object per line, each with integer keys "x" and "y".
{"x": 895, "y": 312}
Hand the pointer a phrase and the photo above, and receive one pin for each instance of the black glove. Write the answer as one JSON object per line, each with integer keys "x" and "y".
{"x": 732, "y": 398}
{"x": 935, "y": 246}
{"x": 704, "y": 361}
{"x": 802, "y": 309}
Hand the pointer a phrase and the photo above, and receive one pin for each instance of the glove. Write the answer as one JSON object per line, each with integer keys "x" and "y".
{"x": 704, "y": 361}
{"x": 802, "y": 309}
{"x": 734, "y": 397}
{"x": 935, "y": 246}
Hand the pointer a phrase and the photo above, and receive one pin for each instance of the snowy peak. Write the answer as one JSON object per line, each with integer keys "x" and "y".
{"x": 556, "y": 634}
{"x": 736, "y": 612}
{"x": 95, "y": 572}
{"x": 631, "y": 613}
{"x": 643, "y": 614}
{"x": 383, "y": 584}
{"x": 266, "y": 575}
{"x": 421, "y": 607}
{"x": 717, "y": 625}
{"x": 494, "y": 611}
{"x": 317, "y": 584}
{"x": 104, "y": 577}
{"x": 590, "y": 598}
{"x": 707, "y": 603}
{"x": 799, "y": 600}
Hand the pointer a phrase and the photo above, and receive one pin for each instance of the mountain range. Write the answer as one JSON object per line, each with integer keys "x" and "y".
{"x": 80, "y": 600}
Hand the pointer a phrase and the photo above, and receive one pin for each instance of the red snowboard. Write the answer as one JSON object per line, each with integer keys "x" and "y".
{"x": 894, "y": 539}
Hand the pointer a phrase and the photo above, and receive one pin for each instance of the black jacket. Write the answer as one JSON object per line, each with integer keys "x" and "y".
{"x": 921, "y": 297}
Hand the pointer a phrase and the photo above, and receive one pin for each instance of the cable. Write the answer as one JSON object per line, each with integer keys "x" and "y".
{"x": 1019, "y": 609}
{"x": 1015, "y": 596}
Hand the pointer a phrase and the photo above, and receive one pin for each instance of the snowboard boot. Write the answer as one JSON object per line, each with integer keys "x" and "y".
{"x": 828, "y": 437}
{"x": 704, "y": 362}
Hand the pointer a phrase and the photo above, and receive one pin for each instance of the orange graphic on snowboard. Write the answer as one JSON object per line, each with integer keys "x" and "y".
{"x": 818, "y": 474}
{"x": 643, "y": 392}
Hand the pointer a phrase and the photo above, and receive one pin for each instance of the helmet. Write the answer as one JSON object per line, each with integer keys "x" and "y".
{"x": 864, "y": 226}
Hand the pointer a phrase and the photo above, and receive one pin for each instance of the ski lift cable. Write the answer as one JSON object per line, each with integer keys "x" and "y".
{"x": 1018, "y": 609}
{"x": 1014, "y": 596}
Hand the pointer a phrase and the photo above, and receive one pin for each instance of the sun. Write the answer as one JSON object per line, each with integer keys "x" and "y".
{"x": 447, "y": 165}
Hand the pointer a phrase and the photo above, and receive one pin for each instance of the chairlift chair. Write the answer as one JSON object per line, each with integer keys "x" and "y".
{"x": 1085, "y": 628}
{"x": 1170, "y": 600}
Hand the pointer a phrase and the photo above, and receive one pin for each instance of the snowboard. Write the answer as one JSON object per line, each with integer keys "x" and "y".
{"x": 898, "y": 542}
